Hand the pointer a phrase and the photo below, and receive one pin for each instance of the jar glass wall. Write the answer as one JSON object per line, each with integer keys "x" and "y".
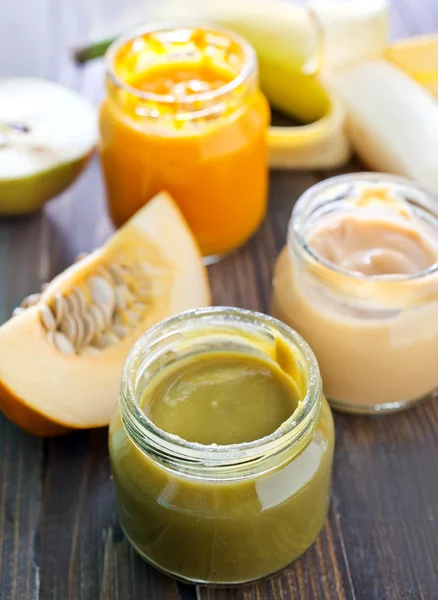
{"x": 184, "y": 114}
{"x": 216, "y": 514}
{"x": 375, "y": 336}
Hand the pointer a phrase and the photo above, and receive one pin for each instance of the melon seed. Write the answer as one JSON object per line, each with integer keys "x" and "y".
{"x": 62, "y": 343}
{"x": 107, "y": 339}
{"x": 119, "y": 296}
{"x": 80, "y": 331}
{"x": 117, "y": 274}
{"x": 30, "y": 300}
{"x": 103, "y": 272}
{"x": 78, "y": 299}
{"x": 121, "y": 331}
{"x": 101, "y": 291}
{"x": 73, "y": 303}
{"x": 99, "y": 316}
{"x": 47, "y": 318}
{"x": 89, "y": 329}
{"x": 60, "y": 308}
{"x": 90, "y": 351}
{"x": 69, "y": 328}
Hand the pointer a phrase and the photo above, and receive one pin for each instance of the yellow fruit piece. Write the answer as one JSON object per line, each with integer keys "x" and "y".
{"x": 392, "y": 120}
{"x": 321, "y": 142}
{"x": 418, "y": 56}
{"x": 52, "y": 378}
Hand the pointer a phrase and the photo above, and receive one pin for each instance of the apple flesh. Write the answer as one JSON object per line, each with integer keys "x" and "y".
{"x": 47, "y": 136}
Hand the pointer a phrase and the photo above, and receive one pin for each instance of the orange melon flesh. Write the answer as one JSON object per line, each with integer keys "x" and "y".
{"x": 47, "y": 392}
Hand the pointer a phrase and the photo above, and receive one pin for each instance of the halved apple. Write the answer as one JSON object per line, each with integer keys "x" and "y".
{"x": 47, "y": 135}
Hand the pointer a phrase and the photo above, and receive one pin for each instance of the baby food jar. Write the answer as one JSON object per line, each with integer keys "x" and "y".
{"x": 359, "y": 281}
{"x": 221, "y": 514}
{"x": 184, "y": 114}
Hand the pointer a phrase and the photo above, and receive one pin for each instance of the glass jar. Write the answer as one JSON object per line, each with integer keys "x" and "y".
{"x": 214, "y": 514}
{"x": 204, "y": 141}
{"x": 375, "y": 336}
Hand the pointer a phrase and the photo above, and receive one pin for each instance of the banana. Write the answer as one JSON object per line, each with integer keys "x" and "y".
{"x": 321, "y": 144}
{"x": 418, "y": 56}
{"x": 391, "y": 119}
{"x": 351, "y": 31}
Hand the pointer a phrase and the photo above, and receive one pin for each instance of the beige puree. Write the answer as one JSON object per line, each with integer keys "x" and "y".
{"x": 375, "y": 338}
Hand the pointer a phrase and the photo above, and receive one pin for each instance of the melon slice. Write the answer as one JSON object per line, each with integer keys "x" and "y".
{"x": 61, "y": 358}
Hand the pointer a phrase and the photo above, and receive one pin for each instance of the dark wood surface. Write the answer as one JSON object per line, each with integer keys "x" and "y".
{"x": 59, "y": 535}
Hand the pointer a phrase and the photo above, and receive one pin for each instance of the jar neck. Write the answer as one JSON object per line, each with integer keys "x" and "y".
{"x": 339, "y": 195}
{"x": 203, "y": 330}
{"x": 157, "y": 46}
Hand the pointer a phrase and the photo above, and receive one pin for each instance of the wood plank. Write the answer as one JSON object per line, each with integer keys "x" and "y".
{"x": 21, "y": 455}
{"x": 20, "y": 493}
{"x": 86, "y": 555}
{"x": 386, "y": 487}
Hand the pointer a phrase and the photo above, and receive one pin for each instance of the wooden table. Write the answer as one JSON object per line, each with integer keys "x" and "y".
{"x": 59, "y": 535}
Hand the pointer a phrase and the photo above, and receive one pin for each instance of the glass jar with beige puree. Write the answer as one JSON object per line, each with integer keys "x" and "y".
{"x": 358, "y": 279}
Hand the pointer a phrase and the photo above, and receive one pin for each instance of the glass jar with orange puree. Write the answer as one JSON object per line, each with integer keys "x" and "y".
{"x": 358, "y": 280}
{"x": 184, "y": 114}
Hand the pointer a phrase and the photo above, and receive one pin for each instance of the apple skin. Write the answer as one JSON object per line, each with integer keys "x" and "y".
{"x": 25, "y": 195}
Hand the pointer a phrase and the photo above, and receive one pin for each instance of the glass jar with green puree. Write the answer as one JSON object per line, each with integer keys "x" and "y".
{"x": 221, "y": 446}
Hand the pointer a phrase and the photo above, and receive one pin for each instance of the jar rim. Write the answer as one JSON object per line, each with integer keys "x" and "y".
{"x": 142, "y": 429}
{"x": 414, "y": 192}
{"x": 249, "y": 64}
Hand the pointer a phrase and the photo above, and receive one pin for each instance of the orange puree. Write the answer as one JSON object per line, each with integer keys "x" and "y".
{"x": 190, "y": 127}
{"x": 181, "y": 80}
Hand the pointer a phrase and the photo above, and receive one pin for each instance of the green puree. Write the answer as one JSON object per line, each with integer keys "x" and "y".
{"x": 221, "y": 398}
{"x": 215, "y": 529}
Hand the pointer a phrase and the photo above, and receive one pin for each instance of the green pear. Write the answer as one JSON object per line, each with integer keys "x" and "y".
{"x": 47, "y": 135}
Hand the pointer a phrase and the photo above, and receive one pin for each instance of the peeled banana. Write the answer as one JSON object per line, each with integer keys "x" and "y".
{"x": 391, "y": 119}
{"x": 351, "y": 31}
{"x": 321, "y": 144}
{"x": 418, "y": 56}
